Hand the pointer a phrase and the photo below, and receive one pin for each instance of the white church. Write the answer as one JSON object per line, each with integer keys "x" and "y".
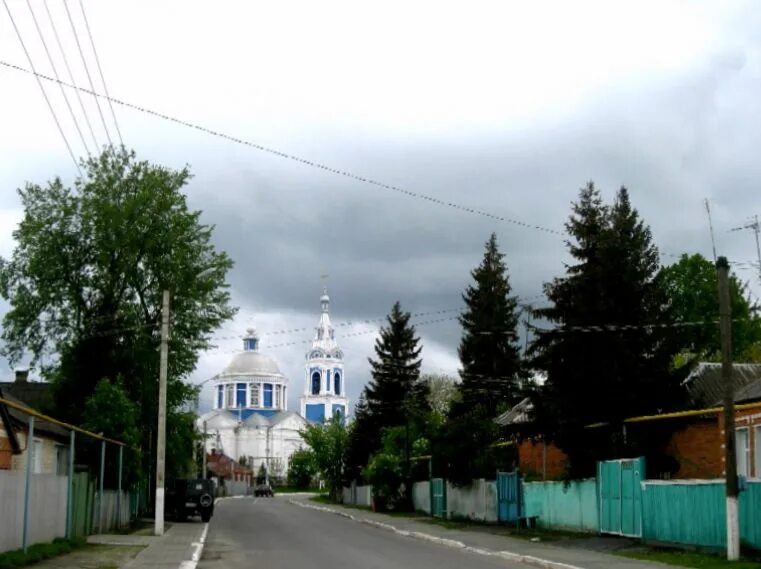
{"x": 250, "y": 417}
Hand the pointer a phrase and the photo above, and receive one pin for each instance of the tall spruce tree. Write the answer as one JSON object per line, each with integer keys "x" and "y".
{"x": 395, "y": 396}
{"x": 491, "y": 371}
{"x": 603, "y": 362}
{"x": 489, "y": 354}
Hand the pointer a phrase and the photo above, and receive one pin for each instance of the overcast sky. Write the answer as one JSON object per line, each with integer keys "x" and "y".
{"x": 507, "y": 107}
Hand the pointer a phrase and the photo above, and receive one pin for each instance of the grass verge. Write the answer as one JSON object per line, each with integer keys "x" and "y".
{"x": 39, "y": 552}
{"x": 689, "y": 559}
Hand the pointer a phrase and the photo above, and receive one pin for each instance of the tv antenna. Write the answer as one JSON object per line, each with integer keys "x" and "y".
{"x": 753, "y": 226}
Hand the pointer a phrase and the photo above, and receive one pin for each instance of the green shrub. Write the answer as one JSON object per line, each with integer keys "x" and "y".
{"x": 39, "y": 552}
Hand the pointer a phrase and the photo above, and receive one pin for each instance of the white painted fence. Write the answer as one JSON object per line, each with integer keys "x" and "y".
{"x": 47, "y": 508}
{"x": 108, "y": 520}
{"x": 476, "y": 502}
{"x": 421, "y": 497}
{"x": 358, "y": 495}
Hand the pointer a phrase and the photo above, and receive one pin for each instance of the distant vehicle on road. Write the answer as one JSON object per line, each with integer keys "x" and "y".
{"x": 264, "y": 490}
{"x": 189, "y": 497}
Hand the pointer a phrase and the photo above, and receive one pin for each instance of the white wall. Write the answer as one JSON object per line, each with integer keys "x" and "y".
{"x": 421, "y": 497}
{"x": 47, "y": 508}
{"x": 476, "y": 502}
{"x": 361, "y": 496}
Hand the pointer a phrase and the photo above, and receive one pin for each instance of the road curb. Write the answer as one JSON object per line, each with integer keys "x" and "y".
{"x": 453, "y": 543}
{"x": 198, "y": 550}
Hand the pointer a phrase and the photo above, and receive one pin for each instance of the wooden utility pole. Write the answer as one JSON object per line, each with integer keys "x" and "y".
{"x": 730, "y": 462}
{"x": 161, "y": 435}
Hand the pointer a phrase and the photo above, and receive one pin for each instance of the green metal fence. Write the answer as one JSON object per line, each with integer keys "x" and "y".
{"x": 694, "y": 513}
{"x": 83, "y": 499}
{"x": 558, "y": 505}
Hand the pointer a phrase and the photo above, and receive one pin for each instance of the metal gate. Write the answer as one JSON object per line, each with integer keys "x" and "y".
{"x": 620, "y": 496}
{"x": 508, "y": 496}
{"x": 438, "y": 498}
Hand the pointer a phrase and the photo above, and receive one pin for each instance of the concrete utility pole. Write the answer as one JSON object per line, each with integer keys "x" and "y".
{"x": 730, "y": 464}
{"x": 161, "y": 435}
{"x": 203, "y": 451}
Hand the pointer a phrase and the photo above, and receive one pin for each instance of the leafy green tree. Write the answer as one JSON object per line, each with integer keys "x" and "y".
{"x": 85, "y": 281}
{"x": 328, "y": 443}
{"x": 691, "y": 296}
{"x": 442, "y": 393}
{"x": 261, "y": 474}
{"x": 110, "y": 412}
{"x": 603, "y": 361}
{"x": 489, "y": 353}
{"x": 301, "y": 469}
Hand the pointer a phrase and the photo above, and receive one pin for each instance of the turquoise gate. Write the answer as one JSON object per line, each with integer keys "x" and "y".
{"x": 438, "y": 498}
{"x": 508, "y": 496}
{"x": 620, "y": 496}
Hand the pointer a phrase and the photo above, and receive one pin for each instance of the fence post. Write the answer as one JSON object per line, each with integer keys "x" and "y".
{"x": 70, "y": 487}
{"x": 100, "y": 485}
{"x": 27, "y": 486}
{"x": 119, "y": 492}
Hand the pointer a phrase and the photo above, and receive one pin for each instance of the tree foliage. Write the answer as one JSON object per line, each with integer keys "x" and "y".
{"x": 85, "y": 282}
{"x": 395, "y": 395}
{"x": 301, "y": 469}
{"x": 612, "y": 373}
{"x": 442, "y": 393}
{"x": 489, "y": 354}
{"x": 328, "y": 443}
{"x": 690, "y": 287}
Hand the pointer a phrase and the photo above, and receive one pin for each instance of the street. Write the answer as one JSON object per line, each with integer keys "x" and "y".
{"x": 274, "y": 534}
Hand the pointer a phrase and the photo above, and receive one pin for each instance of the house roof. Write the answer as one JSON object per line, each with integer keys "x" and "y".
{"x": 520, "y": 413}
{"x": 34, "y": 394}
{"x": 19, "y": 418}
{"x": 706, "y": 386}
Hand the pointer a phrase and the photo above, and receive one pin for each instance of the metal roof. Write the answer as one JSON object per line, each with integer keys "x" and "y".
{"x": 706, "y": 387}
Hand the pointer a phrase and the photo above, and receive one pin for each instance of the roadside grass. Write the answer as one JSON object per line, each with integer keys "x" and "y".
{"x": 689, "y": 559}
{"x": 292, "y": 490}
{"x": 39, "y": 552}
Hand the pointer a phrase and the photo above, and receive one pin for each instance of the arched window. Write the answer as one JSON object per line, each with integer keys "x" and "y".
{"x": 337, "y": 382}
{"x": 316, "y": 383}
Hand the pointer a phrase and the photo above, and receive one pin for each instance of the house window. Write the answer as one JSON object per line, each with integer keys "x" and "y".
{"x": 315, "y": 383}
{"x": 254, "y": 399}
{"x": 220, "y": 396}
{"x": 278, "y": 396}
{"x": 230, "y": 395}
{"x": 757, "y": 453}
{"x": 268, "y": 395}
{"x": 240, "y": 395}
{"x": 62, "y": 460}
{"x": 337, "y": 382}
{"x": 743, "y": 450}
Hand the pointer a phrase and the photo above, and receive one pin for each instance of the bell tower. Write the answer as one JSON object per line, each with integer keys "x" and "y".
{"x": 324, "y": 383}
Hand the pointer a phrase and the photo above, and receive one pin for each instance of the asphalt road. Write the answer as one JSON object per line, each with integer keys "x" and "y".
{"x": 271, "y": 533}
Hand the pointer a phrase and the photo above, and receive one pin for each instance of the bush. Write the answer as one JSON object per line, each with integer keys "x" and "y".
{"x": 384, "y": 472}
{"x": 39, "y": 552}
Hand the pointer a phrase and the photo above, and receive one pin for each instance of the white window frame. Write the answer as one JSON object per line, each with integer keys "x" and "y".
{"x": 254, "y": 395}
{"x": 757, "y": 451}
{"x": 36, "y": 450}
{"x": 746, "y": 452}
{"x": 229, "y": 395}
{"x": 278, "y": 396}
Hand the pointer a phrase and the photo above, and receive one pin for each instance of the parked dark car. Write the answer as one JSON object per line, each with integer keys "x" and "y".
{"x": 185, "y": 497}
{"x": 264, "y": 490}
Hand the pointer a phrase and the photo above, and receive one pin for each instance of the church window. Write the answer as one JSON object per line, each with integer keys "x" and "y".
{"x": 268, "y": 395}
{"x": 315, "y": 383}
{"x": 278, "y": 396}
{"x": 220, "y": 396}
{"x": 229, "y": 395}
{"x": 240, "y": 395}
{"x": 337, "y": 382}
{"x": 254, "y": 399}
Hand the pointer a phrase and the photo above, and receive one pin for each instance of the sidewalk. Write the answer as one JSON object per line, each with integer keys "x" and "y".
{"x": 179, "y": 547}
{"x": 484, "y": 541}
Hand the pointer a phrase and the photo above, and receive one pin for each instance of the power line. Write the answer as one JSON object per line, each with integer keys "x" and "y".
{"x": 100, "y": 71}
{"x": 55, "y": 72}
{"x": 42, "y": 88}
{"x": 87, "y": 71}
{"x": 71, "y": 75}
{"x": 299, "y": 159}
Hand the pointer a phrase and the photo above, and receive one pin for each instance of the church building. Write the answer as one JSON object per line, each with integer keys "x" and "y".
{"x": 250, "y": 418}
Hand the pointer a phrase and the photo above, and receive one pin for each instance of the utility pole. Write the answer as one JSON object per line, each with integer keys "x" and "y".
{"x": 161, "y": 435}
{"x": 730, "y": 464}
{"x": 756, "y": 228}
{"x": 203, "y": 451}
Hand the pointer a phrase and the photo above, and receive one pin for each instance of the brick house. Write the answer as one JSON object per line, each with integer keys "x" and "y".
{"x": 223, "y": 467}
{"x": 696, "y": 441}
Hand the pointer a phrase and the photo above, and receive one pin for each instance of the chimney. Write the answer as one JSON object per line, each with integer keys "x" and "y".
{"x": 22, "y": 375}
